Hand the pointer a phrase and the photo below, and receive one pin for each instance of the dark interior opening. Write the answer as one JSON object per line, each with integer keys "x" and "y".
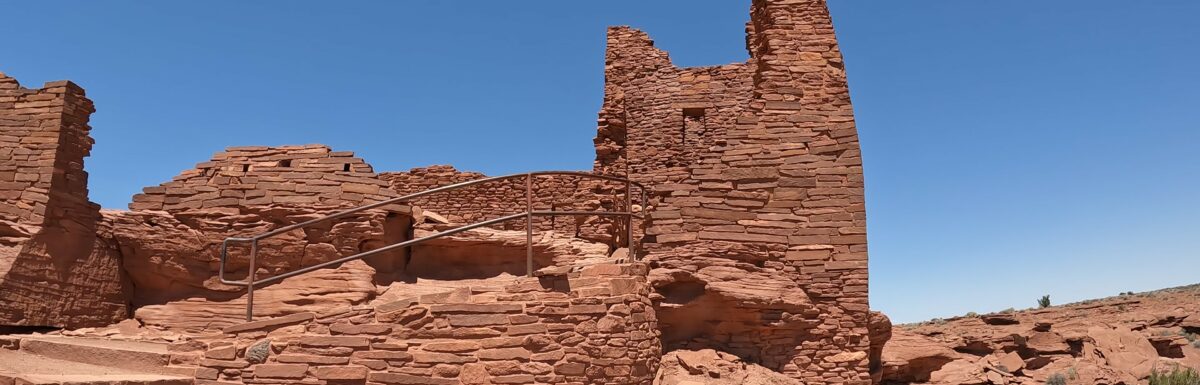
{"x": 346, "y": 167}
{"x": 245, "y": 168}
{"x": 285, "y": 163}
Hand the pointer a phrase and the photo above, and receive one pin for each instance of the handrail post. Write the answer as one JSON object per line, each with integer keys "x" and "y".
{"x": 645, "y": 212}
{"x": 529, "y": 224}
{"x": 250, "y": 280}
{"x": 629, "y": 218}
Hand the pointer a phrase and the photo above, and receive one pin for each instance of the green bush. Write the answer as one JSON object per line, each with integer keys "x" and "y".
{"x": 1056, "y": 379}
{"x": 1176, "y": 376}
{"x": 1044, "y": 302}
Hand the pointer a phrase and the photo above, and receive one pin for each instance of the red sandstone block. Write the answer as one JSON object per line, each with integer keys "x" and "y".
{"x": 405, "y": 379}
{"x": 513, "y": 379}
{"x": 451, "y": 346}
{"x": 570, "y": 368}
{"x": 742, "y": 237}
{"x": 280, "y": 370}
{"x": 386, "y": 355}
{"x": 343, "y": 341}
{"x": 340, "y": 372}
{"x": 476, "y": 308}
{"x": 269, "y": 323}
{"x": 520, "y": 330}
{"x": 807, "y": 255}
{"x": 311, "y": 359}
{"x": 477, "y": 319}
{"x": 376, "y": 329}
{"x": 441, "y": 358}
{"x": 211, "y": 363}
{"x": 504, "y": 354}
{"x": 222, "y": 353}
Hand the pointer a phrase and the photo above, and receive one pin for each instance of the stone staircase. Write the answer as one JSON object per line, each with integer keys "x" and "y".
{"x": 85, "y": 361}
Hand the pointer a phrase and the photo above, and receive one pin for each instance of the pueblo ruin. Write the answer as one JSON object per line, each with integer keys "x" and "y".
{"x": 722, "y": 226}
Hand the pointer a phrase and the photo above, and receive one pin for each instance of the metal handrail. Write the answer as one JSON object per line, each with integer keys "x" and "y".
{"x": 529, "y": 213}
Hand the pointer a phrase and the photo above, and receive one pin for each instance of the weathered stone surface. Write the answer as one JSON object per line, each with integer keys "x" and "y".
{"x": 280, "y": 370}
{"x": 623, "y": 347}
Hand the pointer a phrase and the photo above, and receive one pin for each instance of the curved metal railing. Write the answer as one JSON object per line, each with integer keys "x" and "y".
{"x": 250, "y": 282}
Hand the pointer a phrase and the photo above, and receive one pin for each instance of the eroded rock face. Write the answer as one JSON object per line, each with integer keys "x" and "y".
{"x": 711, "y": 367}
{"x": 170, "y": 243}
{"x": 1112, "y": 341}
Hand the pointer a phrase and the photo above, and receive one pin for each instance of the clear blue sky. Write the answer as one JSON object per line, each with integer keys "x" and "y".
{"x": 1012, "y": 149}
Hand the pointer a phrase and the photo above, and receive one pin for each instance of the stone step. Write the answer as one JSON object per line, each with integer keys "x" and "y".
{"x": 23, "y": 368}
{"x": 144, "y": 357}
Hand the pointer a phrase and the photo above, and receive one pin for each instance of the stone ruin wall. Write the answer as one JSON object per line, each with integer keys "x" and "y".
{"x": 505, "y": 197}
{"x": 54, "y": 271}
{"x": 311, "y": 175}
{"x": 756, "y": 241}
{"x": 759, "y": 203}
{"x": 594, "y": 326}
{"x": 170, "y": 239}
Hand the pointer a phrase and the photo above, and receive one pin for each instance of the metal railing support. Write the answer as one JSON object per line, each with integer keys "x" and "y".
{"x": 529, "y": 224}
{"x": 250, "y": 280}
{"x": 629, "y": 219}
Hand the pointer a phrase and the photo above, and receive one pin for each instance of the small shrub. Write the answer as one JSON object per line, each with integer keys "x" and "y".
{"x": 1072, "y": 374}
{"x": 1190, "y": 337}
{"x": 1121, "y": 308}
{"x": 1176, "y": 376}
{"x": 1056, "y": 379}
{"x": 1196, "y": 344}
{"x": 1007, "y": 311}
{"x": 1044, "y": 302}
{"x": 972, "y": 315}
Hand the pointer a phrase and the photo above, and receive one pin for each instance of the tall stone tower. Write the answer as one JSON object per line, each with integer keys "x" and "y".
{"x": 758, "y": 225}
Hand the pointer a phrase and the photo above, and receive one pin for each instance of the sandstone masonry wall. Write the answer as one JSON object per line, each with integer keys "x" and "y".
{"x": 54, "y": 271}
{"x": 170, "y": 241}
{"x": 593, "y": 327}
{"x": 758, "y": 222}
{"x": 260, "y": 175}
{"x": 496, "y": 199}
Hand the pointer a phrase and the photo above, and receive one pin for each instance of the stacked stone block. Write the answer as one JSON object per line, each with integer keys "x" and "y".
{"x": 505, "y": 197}
{"x": 312, "y": 175}
{"x": 595, "y": 326}
{"x": 758, "y": 175}
{"x": 54, "y": 271}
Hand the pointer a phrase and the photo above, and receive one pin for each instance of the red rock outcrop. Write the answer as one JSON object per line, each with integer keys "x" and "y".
{"x": 710, "y": 367}
{"x": 170, "y": 241}
{"x": 1112, "y": 341}
{"x": 54, "y": 270}
{"x": 757, "y": 230}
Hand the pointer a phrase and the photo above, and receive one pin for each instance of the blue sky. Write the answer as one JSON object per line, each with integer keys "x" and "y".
{"x": 1012, "y": 149}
